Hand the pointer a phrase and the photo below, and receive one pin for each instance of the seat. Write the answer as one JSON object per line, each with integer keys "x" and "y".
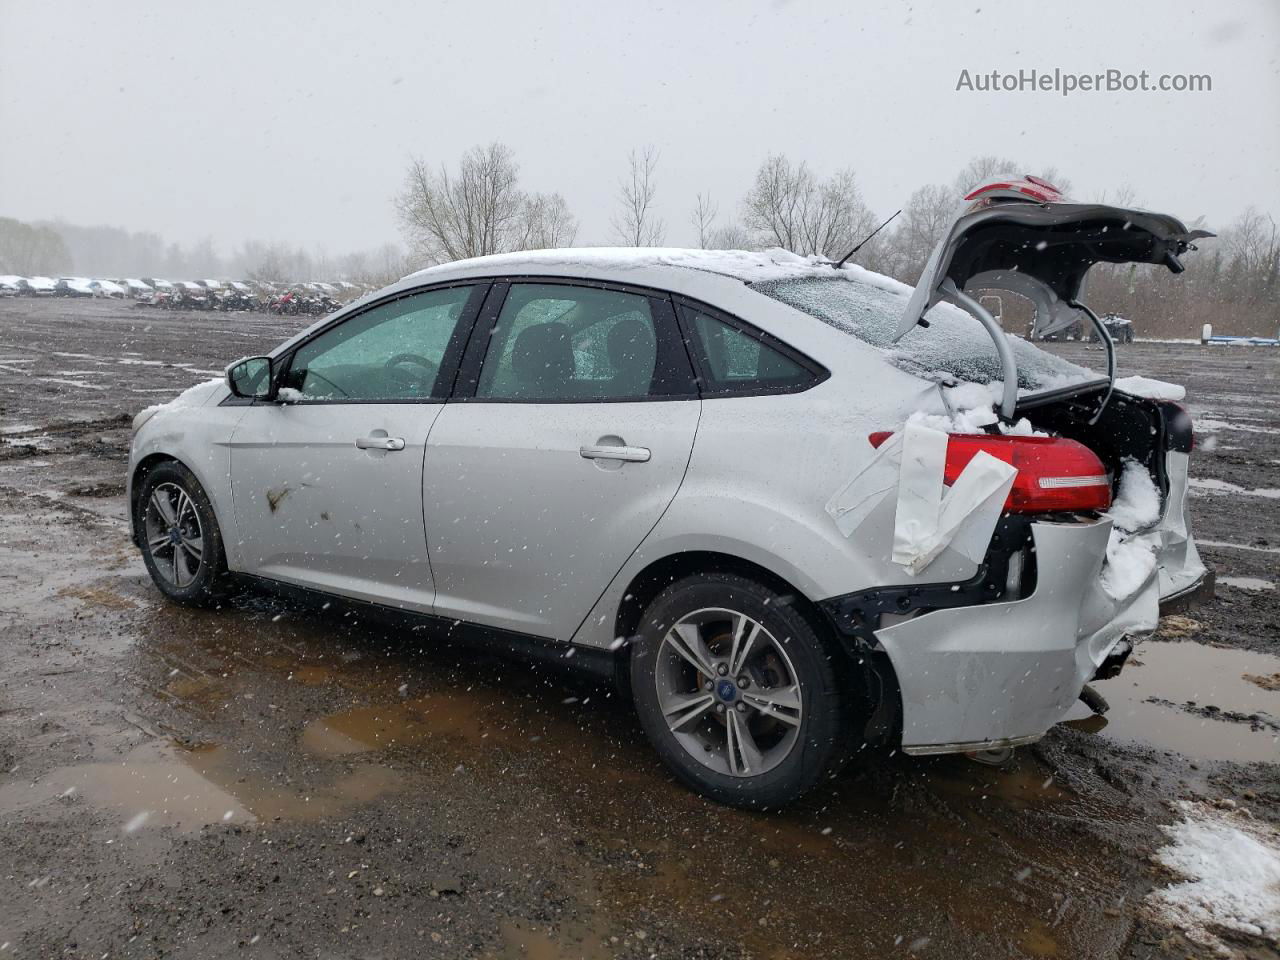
{"x": 632, "y": 354}
{"x": 542, "y": 361}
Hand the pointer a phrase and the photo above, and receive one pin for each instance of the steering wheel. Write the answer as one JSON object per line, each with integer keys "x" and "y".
{"x": 404, "y": 376}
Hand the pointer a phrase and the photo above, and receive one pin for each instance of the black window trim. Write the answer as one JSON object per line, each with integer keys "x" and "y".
{"x": 664, "y": 315}
{"x": 446, "y": 376}
{"x": 819, "y": 373}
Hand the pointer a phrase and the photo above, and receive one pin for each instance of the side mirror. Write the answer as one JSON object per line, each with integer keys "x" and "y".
{"x": 250, "y": 379}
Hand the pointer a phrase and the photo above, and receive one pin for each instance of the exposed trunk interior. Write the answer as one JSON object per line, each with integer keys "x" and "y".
{"x": 1128, "y": 427}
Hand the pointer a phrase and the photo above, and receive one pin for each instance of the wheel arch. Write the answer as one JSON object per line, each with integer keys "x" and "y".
{"x": 869, "y": 676}
{"x": 645, "y": 586}
{"x": 148, "y": 463}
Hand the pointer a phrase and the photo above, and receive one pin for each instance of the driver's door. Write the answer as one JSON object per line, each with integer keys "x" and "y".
{"x": 327, "y": 482}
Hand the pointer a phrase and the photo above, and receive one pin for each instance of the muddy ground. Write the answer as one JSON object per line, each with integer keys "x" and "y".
{"x": 276, "y": 781}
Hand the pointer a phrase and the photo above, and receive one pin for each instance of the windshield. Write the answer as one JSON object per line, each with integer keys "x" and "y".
{"x": 955, "y": 346}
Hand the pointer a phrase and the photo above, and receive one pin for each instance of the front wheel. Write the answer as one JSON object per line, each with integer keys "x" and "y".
{"x": 180, "y": 539}
{"x": 737, "y": 691}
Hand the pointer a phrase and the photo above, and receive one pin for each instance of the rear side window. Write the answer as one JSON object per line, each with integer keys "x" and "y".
{"x": 955, "y": 345}
{"x": 736, "y": 360}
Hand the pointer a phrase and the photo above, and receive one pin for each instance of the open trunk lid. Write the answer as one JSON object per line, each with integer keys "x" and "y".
{"x": 1006, "y": 240}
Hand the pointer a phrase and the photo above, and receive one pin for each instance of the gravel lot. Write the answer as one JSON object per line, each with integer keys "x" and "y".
{"x": 277, "y": 781}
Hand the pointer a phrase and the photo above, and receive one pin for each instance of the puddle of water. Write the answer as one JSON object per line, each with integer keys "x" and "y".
{"x": 470, "y": 716}
{"x": 159, "y": 784}
{"x": 571, "y": 942}
{"x": 1179, "y": 672}
{"x": 1038, "y": 941}
{"x": 151, "y": 787}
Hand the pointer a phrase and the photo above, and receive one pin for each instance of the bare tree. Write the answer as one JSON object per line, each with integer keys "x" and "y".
{"x": 796, "y": 211}
{"x": 635, "y": 225}
{"x": 1058, "y": 179}
{"x": 546, "y": 223}
{"x": 983, "y": 168}
{"x": 470, "y": 213}
{"x": 704, "y": 218}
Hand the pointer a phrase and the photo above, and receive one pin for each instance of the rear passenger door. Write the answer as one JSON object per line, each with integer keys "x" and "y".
{"x": 568, "y": 435}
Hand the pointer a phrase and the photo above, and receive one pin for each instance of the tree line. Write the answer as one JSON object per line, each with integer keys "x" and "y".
{"x": 56, "y": 248}
{"x": 479, "y": 208}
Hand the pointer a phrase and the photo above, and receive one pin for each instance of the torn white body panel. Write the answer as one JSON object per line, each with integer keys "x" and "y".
{"x": 929, "y": 516}
{"x": 1004, "y": 673}
{"x": 1178, "y": 561}
{"x": 872, "y": 485}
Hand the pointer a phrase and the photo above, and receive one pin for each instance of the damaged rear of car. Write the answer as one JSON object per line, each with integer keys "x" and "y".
{"x": 1073, "y": 499}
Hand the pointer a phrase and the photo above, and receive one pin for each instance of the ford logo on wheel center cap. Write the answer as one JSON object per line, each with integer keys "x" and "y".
{"x": 726, "y": 690}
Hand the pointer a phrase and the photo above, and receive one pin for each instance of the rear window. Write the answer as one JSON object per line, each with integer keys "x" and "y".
{"x": 955, "y": 346}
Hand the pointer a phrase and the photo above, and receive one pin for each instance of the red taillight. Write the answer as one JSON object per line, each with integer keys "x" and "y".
{"x": 1054, "y": 474}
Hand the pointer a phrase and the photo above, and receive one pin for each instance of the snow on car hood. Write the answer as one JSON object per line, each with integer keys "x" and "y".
{"x": 194, "y": 396}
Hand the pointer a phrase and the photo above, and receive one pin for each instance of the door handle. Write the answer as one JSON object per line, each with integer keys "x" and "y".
{"x": 629, "y": 454}
{"x": 380, "y": 443}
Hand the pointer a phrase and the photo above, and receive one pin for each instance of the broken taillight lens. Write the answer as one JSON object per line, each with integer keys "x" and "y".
{"x": 1054, "y": 474}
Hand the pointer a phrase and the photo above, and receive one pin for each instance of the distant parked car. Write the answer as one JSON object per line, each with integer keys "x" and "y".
{"x": 135, "y": 285}
{"x": 40, "y": 286}
{"x": 10, "y": 286}
{"x": 191, "y": 295}
{"x": 106, "y": 288}
{"x": 74, "y": 287}
{"x": 1120, "y": 328}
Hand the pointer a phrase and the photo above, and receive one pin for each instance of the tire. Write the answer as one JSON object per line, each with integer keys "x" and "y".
{"x": 168, "y": 556}
{"x": 792, "y": 706}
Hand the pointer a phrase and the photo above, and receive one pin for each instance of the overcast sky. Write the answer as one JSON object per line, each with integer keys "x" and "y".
{"x": 294, "y": 121}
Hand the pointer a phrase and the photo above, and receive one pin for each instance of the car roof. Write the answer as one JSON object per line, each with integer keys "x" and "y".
{"x": 631, "y": 264}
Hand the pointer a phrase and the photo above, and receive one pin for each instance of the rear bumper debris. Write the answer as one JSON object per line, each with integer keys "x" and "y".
{"x": 1001, "y": 674}
{"x": 1198, "y": 593}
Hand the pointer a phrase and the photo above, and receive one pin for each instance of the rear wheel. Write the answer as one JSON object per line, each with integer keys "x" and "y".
{"x": 737, "y": 691}
{"x": 181, "y": 542}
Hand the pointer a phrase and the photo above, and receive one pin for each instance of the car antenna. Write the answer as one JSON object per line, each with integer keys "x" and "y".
{"x": 868, "y": 237}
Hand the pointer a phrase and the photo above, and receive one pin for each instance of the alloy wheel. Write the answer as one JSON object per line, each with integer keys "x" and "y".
{"x": 175, "y": 537}
{"x": 728, "y": 692}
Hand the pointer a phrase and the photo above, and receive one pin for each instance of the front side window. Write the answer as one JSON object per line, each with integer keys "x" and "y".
{"x": 391, "y": 352}
{"x": 737, "y": 361}
{"x": 555, "y": 342}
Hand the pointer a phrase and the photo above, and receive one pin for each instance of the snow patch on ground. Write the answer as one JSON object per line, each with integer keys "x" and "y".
{"x": 1247, "y": 583}
{"x": 1211, "y": 486}
{"x": 1152, "y": 389}
{"x": 1213, "y": 426}
{"x": 1231, "y": 866}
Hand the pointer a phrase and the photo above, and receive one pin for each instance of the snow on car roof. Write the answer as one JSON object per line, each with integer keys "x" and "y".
{"x": 745, "y": 265}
